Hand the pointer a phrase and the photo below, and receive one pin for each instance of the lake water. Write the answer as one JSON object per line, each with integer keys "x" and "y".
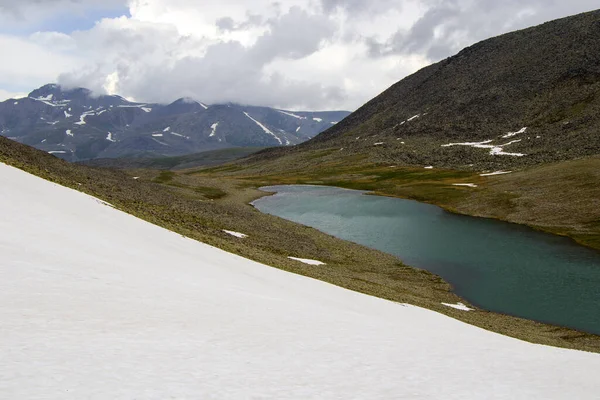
{"x": 495, "y": 265}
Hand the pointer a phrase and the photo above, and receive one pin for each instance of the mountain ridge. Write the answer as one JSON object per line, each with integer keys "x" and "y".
{"x": 520, "y": 99}
{"x": 76, "y": 125}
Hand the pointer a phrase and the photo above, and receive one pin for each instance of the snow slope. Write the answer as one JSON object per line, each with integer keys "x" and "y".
{"x": 97, "y": 304}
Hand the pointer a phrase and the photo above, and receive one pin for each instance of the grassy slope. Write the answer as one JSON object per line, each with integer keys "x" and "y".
{"x": 562, "y": 198}
{"x": 546, "y": 78}
{"x": 206, "y": 158}
{"x": 185, "y": 203}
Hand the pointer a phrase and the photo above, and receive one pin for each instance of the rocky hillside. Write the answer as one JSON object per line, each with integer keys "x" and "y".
{"x": 523, "y": 98}
{"x": 76, "y": 125}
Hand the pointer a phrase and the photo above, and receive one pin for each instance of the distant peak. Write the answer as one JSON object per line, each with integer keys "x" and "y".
{"x": 186, "y": 100}
{"x": 50, "y": 88}
{"x": 59, "y": 92}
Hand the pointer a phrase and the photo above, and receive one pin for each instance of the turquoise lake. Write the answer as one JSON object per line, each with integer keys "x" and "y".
{"x": 495, "y": 265}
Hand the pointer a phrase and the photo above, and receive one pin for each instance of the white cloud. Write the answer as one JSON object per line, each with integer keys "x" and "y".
{"x": 28, "y": 64}
{"x": 54, "y": 41}
{"x": 295, "y": 53}
{"x": 5, "y": 94}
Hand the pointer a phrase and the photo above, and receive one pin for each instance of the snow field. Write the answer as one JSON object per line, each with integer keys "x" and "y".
{"x": 98, "y": 304}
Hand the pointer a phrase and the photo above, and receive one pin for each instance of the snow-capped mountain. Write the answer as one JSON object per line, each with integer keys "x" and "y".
{"x": 77, "y": 125}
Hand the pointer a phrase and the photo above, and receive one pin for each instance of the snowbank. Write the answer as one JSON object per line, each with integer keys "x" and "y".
{"x": 236, "y": 234}
{"x": 458, "y": 306}
{"x": 97, "y": 304}
{"x": 307, "y": 261}
{"x": 471, "y": 185}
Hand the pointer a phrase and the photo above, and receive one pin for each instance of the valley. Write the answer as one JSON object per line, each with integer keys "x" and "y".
{"x": 202, "y": 203}
{"x": 560, "y": 198}
{"x": 440, "y": 241}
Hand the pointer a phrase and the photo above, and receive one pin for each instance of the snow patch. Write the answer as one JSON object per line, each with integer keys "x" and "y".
{"x": 68, "y": 132}
{"x": 157, "y": 134}
{"x": 109, "y": 137}
{"x": 102, "y": 112}
{"x": 167, "y": 129}
{"x": 57, "y": 152}
{"x": 458, "y": 306}
{"x": 146, "y": 109}
{"x": 41, "y": 99}
{"x": 511, "y": 134}
{"x": 180, "y": 135}
{"x": 496, "y": 173}
{"x": 413, "y": 118}
{"x": 264, "y": 128}
{"x": 203, "y": 105}
{"x": 82, "y": 117}
{"x": 67, "y": 115}
{"x": 378, "y": 144}
{"x": 318, "y": 119}
{"x": 118, "y": 314}
{"x": 236, "y": 234}
{"x": 472, "y": 185}
{"x": 307, "y": 261}
{"x": 298, "y": 128}
{"x": 428, "y": 167}
{"x": 291, "y": 114}
{"x": 495, "y": 150}
{"x": 214, "y": 129}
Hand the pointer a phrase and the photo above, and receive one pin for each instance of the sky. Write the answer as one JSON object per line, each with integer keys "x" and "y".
{"x": 294, "y": 54}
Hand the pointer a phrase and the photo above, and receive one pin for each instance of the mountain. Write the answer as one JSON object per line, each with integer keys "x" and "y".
{"x": 76, "y": 125}
{"x": 524, "y": 98}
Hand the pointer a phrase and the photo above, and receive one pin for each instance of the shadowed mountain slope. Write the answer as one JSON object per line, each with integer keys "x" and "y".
{"x": 523, "y": 98}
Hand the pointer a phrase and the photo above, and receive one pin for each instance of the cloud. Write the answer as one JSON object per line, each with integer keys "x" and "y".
{"x": 5, "y": 94}
{"x": 357, "y": 7}
{"x": 294, "y": 35}
{"x": 226, "y": 24}
{"x": 19, "y": 6}
{"x": 317, "y": 54}
{"x": 27, "y": 16}
{"x": 153, "y": 62}
{"x": 55, "y": 41}
{"x": 27, "y": 64}
{"x": 449, "y": 25}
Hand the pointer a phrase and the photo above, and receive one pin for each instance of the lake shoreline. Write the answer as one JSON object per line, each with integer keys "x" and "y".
{"x": 524, "y": 229}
